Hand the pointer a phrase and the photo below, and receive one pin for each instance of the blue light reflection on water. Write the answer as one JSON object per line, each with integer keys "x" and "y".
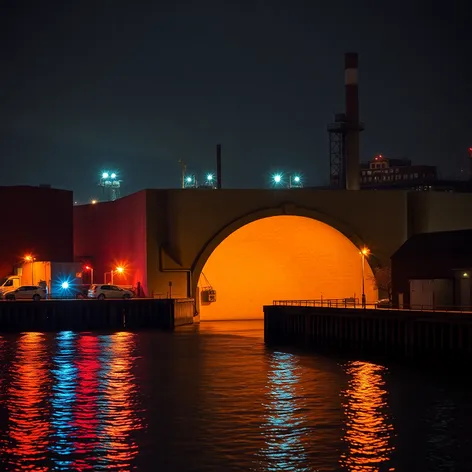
{"x": 63, "y": 400}
{"x": 285, "y": 428}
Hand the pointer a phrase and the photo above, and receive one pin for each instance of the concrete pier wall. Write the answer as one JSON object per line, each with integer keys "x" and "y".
{"x": 427, "y": 336}
{"x": 95, "y": 315}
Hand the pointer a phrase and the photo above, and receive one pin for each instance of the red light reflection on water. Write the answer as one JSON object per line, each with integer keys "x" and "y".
{"x": 368, "y": 428}
{"x": 30, "y": 384}
{"x": 86, "y": 419}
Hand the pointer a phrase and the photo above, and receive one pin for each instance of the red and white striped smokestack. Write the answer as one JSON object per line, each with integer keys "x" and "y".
{"x": 351, "y": 158}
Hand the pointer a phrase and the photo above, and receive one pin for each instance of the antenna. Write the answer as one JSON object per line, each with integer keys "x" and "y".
{"x": 183, "y": 167}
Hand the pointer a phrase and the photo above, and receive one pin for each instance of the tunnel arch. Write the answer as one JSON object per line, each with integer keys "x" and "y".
{"x": 287, "y": 210}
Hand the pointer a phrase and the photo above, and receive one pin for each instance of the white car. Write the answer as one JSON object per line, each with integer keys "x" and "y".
{"x": 27, "y": 292}
{"x": 108, "y": 291}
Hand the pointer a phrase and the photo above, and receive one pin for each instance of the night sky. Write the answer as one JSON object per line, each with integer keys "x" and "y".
{"x": 134, "y": 86}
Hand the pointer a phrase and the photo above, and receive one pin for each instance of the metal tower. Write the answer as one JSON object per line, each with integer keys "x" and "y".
{"x": 110, "y": 185}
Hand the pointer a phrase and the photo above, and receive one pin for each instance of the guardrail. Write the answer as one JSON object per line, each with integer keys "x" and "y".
{"x": 354, "y": 303}
{"x": 324, "y": 302}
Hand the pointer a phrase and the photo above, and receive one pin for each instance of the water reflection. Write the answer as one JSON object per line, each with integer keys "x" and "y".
{"x": 63, "y": 400}
{"x": 368, "y": 430}
{"x": 28, "y": 430}
{"x": 285, "y": 429}
{"x": 120, "y": 410}
{"x": 86, "y": 419}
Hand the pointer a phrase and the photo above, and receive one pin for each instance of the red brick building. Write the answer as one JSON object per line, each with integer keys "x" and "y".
{"x": 110, "y": 235}
{"x": 37, "y": 221}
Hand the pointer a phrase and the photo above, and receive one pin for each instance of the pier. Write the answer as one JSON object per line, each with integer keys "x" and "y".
{"x": 95, "y": 315}
{"x": 431, "y": 336}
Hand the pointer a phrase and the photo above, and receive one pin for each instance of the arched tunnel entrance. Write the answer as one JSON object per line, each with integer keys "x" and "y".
{"x": 281, "y": 258}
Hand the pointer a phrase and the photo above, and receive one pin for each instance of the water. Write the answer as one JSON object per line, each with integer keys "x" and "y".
{"x": 214, "y": 398}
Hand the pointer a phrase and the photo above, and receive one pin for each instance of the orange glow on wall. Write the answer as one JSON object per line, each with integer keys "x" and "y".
{"x": 282, "y": 258}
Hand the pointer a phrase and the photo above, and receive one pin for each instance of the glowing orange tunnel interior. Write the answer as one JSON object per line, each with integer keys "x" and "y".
{"x": 282, "y": 258}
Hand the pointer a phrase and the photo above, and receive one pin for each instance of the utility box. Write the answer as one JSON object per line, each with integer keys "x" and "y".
{"x": 208, "y": 296}
{"x": 429, "y": 294}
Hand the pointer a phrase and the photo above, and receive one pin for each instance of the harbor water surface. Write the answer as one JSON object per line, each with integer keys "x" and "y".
{"x": 213, "y": 397}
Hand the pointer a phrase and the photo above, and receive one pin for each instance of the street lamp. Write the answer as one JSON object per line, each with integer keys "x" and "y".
{"x": 118, "y": 270}
{"x": 295, "y": 181}
{"x": 30, "y": 258}
{"x": 91, "y": 273}
{"x": 190, "y": 181}
{"x": 277, "y": 179}
{"x": 364, "y": 252}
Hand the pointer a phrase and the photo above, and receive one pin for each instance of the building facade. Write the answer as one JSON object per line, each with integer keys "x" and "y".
{"x": 38, "y": 223}
{"x": 382, "y": 172}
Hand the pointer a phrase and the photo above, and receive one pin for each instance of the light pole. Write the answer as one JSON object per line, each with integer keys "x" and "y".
{"x": 31, "y": 259}
{"x": 119, "y": 269}
{"x": 91, "y": 273}
{"x": 364, "y": 252}
{"x": 295, "y": 181}
{"x": 277, "y": 180}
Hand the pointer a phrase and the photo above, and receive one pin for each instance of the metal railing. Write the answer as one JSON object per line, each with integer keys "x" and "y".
{"x": 323, "y": 302}
{"x": 354, "y": 303}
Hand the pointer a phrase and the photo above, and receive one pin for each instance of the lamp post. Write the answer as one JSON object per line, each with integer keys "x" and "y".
{"x": 119, "y": 270}
{"x": 31, "y": 259}
{"x": 295, "y": 181}
{"x": 277, "y": 180}
{"x": 91, "y": 273}
{"x": 364, "y": 252}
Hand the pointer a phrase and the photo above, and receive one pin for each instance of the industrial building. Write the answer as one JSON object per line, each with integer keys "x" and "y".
{"x": 382, "y": 173}
{"x": 37, "y": 221}
{"x": 433, "y": 270}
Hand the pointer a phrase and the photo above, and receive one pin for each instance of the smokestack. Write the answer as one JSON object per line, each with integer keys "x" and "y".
{"x": 218, "y": 166}
{"x": 351, "y": 161}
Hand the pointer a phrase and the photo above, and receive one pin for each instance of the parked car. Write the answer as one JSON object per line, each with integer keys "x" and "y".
{"x": 27, "y": 292}
{"x": 384, "y": 303}
{"x": 108, "y": 291}
{"x": 81, "y": 291}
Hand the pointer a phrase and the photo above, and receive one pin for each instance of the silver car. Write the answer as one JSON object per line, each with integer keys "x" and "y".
{"x": 27, "y": 292}
{"x": 108, "y": 291}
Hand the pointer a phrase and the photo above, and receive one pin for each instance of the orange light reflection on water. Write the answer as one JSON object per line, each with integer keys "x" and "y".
{"x": 368, "y": 428}
{"x": 119, "y": 416}
{"x": 30, "y": 384}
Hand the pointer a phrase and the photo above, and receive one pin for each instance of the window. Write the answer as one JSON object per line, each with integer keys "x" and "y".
{"x": 9, "y": 283}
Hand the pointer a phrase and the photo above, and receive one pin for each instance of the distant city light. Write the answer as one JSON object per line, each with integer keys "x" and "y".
{"x": 188, "y": 179}
{"x": 105, "y": 175}
{"x": 296, "y": 179}
{"x": 113, "y": 176}
{"x": 93, "y": 202}
{"x": 120, "y": 269}
{"x": 65, "y": 285}
{"x": 277, "y": 178}
{"x": 209, "y": 177}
